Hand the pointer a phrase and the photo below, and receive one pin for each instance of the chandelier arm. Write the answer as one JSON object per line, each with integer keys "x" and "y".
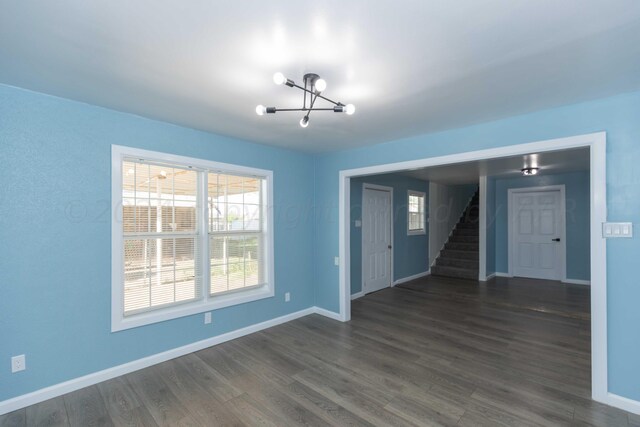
{"x": 317, "y": 95}
{"x": 304, "y": 97}
{"x": 313, "y": 101}
{"x": 303, "y": 109}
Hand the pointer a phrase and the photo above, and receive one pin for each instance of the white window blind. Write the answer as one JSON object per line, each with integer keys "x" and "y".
{"x": 415, "y": 212}
{"x": 160, "y": 236}
{"x": 190, "y": 235}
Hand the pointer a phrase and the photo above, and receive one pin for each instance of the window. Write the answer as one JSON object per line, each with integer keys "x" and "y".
{"x": 189, "y": 235}
{"x": 235, "y": 232}
{"x": 415, "y": 213}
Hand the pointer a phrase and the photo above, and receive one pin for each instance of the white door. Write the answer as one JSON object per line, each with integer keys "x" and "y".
{"x": 537, "y": 230}
{"x": 376, "y": 239}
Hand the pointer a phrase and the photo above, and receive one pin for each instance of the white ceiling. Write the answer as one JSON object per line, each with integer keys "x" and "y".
{"x": 552, "y": 162}
{"x": 409, "y": 67}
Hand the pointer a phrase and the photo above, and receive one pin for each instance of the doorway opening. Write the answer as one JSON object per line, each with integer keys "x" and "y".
{"x": 595, "y": 145}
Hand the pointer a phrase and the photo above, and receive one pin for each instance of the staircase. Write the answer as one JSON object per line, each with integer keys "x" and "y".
{"x": 459, "y": 258}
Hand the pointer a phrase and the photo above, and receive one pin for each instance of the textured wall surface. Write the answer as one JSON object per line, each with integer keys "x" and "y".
{"x": 55, "y": 231}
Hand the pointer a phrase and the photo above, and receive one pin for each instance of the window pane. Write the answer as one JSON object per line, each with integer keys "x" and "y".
{"x": 416, "y": 221}
{"x": 159, "y": 272}
{"x": 416, "y": 203}
{"x": 158, "y": 198}
{"x": 252, "y": 217}
{"x": 415, "y": 210}
{"x": 234, "y": 203}
{"x": 235, "y": 262}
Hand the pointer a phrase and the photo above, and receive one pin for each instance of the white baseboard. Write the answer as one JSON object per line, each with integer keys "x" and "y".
{"x": 116, "y": 371}
{"x": 410, "y": 278}
{"x": 570, "y": 281}
{"x": 577, "y": 282}
{"x": 624, "y": 403}
{"x": 326, "y": 313}
{"x": 357, "y": 295}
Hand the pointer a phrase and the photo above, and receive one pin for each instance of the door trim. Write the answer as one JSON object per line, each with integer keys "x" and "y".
{"x": 482, "y": 236}
{"x": 563, "y": 219}
{"x": 377, "y": 187}
{"x": 597, "y": 144}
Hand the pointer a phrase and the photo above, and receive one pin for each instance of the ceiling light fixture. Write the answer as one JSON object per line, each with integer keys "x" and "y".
{"x": 529, "y": 171}
{"x": 313, "y": 85}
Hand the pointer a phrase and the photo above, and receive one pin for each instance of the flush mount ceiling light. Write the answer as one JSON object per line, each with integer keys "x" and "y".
{"x": 529, "y": 171}
{"x": 313, "y": 85}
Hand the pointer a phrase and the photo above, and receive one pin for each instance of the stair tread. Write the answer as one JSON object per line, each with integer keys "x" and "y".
{"x": 460, "y": 256}
{"x": 465, "y": 246}
{"x": 456, "y": 251}
{"x": 452, "y": 268}
{"x": 457, "y": 262}
{"x": 455, "y": 272}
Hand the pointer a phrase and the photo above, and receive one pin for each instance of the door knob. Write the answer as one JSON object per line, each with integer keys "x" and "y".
{"x": 556, "y": 239}
{"x": 389, "y": 246}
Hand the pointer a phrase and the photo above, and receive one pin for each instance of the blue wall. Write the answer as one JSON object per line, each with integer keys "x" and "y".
{"x": 55, "y": 273}
{"x": 577, "y": 219}
{"x": 411, "y": 254}
{"x": 619, "y": 116}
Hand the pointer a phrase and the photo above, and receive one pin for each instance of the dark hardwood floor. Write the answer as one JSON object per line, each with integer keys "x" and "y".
{"x": 434, "y": 351}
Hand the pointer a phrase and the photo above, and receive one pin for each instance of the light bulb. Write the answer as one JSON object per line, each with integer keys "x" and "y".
{"x": 349, "y": 109}
{"x": 260, "y": 110}
{"x": 278, "y": 78}
{"x": 304, "y": 122}
{"x": 529, "y": 171}
{"x": 320, "y": 85}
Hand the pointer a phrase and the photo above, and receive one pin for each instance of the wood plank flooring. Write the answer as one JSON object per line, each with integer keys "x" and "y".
{"x": 435, "y": 351}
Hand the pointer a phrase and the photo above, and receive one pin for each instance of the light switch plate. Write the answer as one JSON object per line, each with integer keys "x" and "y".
{"x": 207, "y": 318}
{"x": 617, "y": 230}
{"x": 358, "y": 223}
{"x": 336, "y": 261}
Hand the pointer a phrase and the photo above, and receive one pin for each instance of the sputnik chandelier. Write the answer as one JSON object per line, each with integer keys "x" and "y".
{"x": 314, "y": 86}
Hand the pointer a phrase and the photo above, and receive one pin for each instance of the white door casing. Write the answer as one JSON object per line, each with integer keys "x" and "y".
{"x": 537, "y": 237}
{"x": 376, "y": 237}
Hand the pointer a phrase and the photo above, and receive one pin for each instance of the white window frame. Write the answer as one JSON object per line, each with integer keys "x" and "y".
{"x": 206, "y": 302}
{"x": 423, "y": 230}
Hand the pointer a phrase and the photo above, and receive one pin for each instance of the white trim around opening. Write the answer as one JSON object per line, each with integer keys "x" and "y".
{"x": 596, "y": 142}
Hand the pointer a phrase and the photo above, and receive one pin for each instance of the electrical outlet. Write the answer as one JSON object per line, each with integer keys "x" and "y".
{"x": 207, "y": 318}
{"x": 18, "y": 363}
{"x": 287, "y": 297}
